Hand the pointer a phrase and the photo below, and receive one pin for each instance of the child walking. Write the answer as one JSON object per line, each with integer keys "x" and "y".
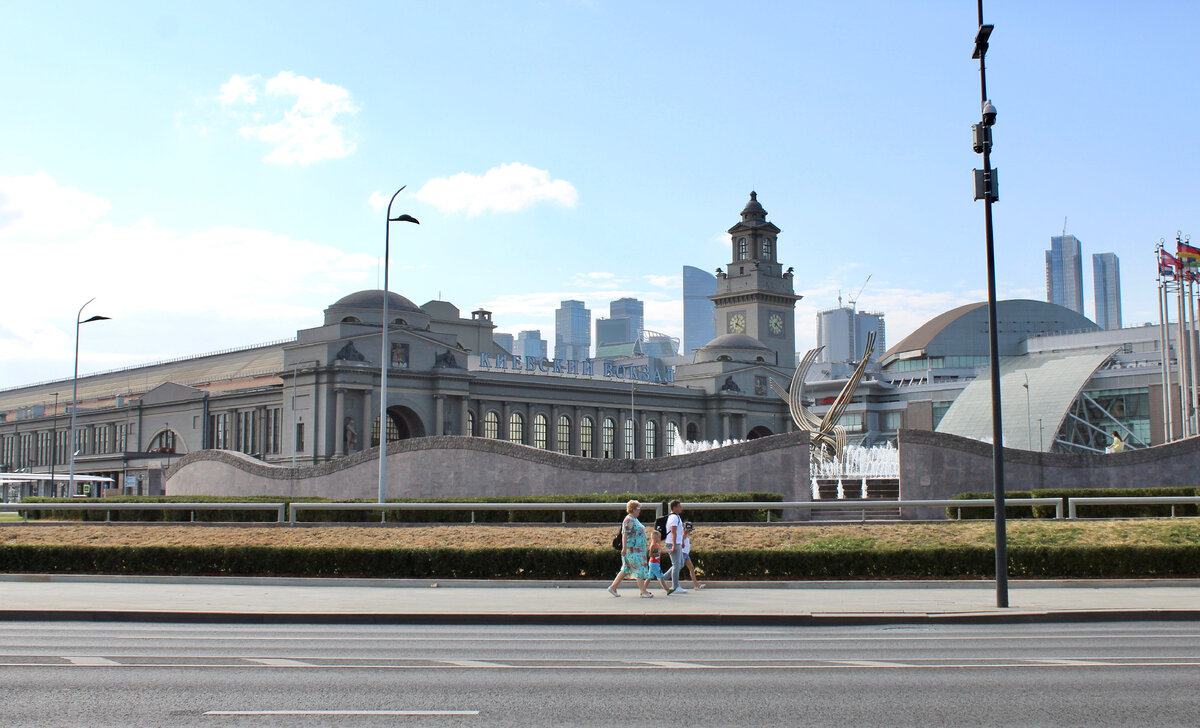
{"x": 656, "y": 562}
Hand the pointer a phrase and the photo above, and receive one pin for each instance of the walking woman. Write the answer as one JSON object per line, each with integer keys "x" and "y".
{"x": 633, "y": 552}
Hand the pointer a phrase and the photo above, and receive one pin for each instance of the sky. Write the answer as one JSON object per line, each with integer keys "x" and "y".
{"x": 216, "y": 174}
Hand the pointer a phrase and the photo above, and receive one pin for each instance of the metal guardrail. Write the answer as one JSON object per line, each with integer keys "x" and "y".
{"x": 1116, "y": 500}
{"x": 472, "y": 507}
{"x": 877, "y": 504}
{"x": 279, "y": 508}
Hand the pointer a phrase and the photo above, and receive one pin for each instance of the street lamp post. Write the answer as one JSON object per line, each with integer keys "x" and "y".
{"x": 1028, "y": 422}
{"x": 985, "y": 189}
{"x": 384, "y": 357}
{"x": 53, "y": 444}
{"x": 75, "y": 390}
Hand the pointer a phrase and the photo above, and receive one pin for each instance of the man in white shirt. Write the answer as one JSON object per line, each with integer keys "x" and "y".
{"x": 677, "y": 544}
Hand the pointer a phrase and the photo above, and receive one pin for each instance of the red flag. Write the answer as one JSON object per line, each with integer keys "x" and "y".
{"x": 1167, "y": 264}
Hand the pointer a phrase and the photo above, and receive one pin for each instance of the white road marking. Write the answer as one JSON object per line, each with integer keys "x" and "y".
{"x": 674, "y": 665}
{"x": 341, "y": 712}
{"x": 279, "y": 662}
{"x": 472, "y": 663}
{"x": 1066, "y": 662}
{"x": 89, "y": 660}
{"x": 870, "y": 663}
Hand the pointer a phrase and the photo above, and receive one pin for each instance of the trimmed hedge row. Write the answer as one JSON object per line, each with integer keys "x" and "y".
{"x": 530, "y": 563}
{"x": 1141, "y": 510}
{"x": 419, "y": 516}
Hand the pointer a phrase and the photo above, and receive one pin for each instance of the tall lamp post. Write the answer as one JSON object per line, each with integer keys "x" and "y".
{"x": 385, "y": 355}
{"x": 985, "y": 189}
{"x": 71, "y": 444}
{"x": 53, "y": 444}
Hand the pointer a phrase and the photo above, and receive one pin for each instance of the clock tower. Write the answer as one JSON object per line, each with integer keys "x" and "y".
{"x": 754, "y": 295}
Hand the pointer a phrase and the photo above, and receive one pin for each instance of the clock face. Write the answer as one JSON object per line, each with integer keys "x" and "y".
{"x": 737, "y": 323}
{"x": 775, "y": 323}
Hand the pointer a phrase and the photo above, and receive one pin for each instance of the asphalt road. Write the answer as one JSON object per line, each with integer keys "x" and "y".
{"x": 118, "y": 674}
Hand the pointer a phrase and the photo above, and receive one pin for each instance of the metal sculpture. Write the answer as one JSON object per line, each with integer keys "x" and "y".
{"x": 826, "y": 437}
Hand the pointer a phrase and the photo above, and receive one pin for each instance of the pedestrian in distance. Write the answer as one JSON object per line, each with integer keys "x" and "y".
{"x": 656, "y": 571}
{"x": 634, "y": 561}
{"x": 677, "y": 543}
{"x": 687, "y": 555}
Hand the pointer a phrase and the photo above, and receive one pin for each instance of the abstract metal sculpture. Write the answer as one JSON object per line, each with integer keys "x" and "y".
{"x": 827, "y": 438}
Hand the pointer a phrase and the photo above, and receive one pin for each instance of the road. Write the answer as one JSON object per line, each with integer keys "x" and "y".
{"x": 119, "y": 674}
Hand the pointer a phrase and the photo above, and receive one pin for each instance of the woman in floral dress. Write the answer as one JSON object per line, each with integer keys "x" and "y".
{"x": 634, "y": 559}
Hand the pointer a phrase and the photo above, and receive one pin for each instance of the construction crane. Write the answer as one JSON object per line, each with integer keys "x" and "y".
{"x": 854, "y": 300}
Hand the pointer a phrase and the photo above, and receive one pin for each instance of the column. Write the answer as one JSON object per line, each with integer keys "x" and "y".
{"x": 504, "y": 433}
{"x": 462, "y": 420}
{"x": 339, "y": 423}
{"x": 724, "y": 426}
{"x": 576, "y": 432}
{"x": 439, "y": 415}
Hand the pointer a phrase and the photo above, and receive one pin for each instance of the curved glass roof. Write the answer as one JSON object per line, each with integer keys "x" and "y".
{"x": 1030, "y": 416}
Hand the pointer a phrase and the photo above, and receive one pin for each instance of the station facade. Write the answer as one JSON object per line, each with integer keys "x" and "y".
{"x": 316, "y": 398}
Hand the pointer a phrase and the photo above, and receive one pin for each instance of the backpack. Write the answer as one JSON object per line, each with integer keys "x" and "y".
{"x": 617, "y": 538}
{"x": 660, "y": 525}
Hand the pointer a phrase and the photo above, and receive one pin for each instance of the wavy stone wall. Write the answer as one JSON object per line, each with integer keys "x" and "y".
{"x": 935, "y": 465}
{"x": 447, "y": 467}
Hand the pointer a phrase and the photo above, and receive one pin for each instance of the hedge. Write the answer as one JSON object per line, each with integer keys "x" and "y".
{"x": 575, "y": 563}
{"x": 1141, "y": 510}
{"x": 419, "y": 516}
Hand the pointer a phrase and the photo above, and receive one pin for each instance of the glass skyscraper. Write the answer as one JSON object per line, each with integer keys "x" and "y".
{"x": 1064, "y": 273}
{"x": 1106, "y": 281}
{"x": 530, "y": 343}
{"x": 626, "y": 317}
{"x": 572, "y": 331}
{"x": 699, "y": 313}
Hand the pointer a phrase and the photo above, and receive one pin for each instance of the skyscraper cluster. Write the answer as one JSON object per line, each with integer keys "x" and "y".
{"x": 1064, "y": 280}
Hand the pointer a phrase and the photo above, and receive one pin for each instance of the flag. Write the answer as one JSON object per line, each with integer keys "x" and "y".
{"x": 1188, "y": 255}
{"x": 1167, "y": 264}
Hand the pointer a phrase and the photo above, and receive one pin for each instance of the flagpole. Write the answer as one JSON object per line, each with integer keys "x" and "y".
{"x": 1165, "y": 348}
{"x": 1191, "y": 337}
{"x": 1181, "y": 355}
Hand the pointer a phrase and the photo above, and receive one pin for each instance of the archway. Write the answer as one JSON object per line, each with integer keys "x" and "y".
{"x": 403, "y": 423}
{"x": 693, "y": 432}
{"x": 758, "y": 432}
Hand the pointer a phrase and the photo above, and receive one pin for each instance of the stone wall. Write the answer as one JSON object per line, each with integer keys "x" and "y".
{"x": 934, "y": 465}
{"x": 466, "y": 467}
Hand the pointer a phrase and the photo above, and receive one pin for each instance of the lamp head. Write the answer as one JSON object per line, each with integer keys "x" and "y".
{"x": 404, "y": 218}
{"x": 96, "y": 318}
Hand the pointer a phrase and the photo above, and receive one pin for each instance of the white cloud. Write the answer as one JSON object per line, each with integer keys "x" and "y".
{"x": 507, "y": 188}
{"x": 172, "y": 292}
{"x": 238, "y": 88}
{"x": 665, "y": 281}
{"x": 37, "y": 207}
{"x": 310, "y": 131}
{"x": 378, "y": 200}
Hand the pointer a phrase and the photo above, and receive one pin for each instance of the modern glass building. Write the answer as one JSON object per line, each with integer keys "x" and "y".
{"x": 1064, "y": 273}
{"x": 530, "y": 343}
{"x": 504, "y": 340}
{"x": 626, "y": 317}
{"x": 843, "y": 332}
{"x": 1106, "y": 280}
{"x": 572, "y": 331}
{"x": 699, "y": 312}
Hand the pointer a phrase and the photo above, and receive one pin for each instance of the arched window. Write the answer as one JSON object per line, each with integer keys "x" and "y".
{"x": 630, "y": 443}
{"x": 539, "y": 431}
{"x": 608, "y": 438}
{"x": 163, "y": 442}
{"x": 491, "y": 425}
{"x": 693, "y": 432}
{"x": 742, "y": 250}
{"x": 585, "y": 438}
{"x": 672, "y": 433}
{"x": 393, "y": 432}
{"x": 351, "y": 320}
{"x": 564, "y": 435}
{"x": 650, "y": 436}
{"x": 470, "y": 423}
{"x": 516, "y": 428}
{"x": 766, "y": 248}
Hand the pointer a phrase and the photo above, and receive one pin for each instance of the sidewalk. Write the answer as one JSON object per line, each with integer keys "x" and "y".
{"x": 404, "y": 601}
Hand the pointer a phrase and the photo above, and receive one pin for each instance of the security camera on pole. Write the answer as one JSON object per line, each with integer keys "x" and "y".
{"x": 986, "y": 190}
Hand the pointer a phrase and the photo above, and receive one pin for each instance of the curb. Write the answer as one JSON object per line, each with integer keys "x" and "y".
{"x": 606, "y": 619}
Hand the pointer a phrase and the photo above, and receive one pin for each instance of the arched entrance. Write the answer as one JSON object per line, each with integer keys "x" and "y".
{"x": 403, "y": 423}
{"x": 693, "y": 432}
{"x": 758, "y": 432}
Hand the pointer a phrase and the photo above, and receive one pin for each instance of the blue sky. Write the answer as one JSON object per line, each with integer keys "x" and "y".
{"x": 212, "y": 173}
